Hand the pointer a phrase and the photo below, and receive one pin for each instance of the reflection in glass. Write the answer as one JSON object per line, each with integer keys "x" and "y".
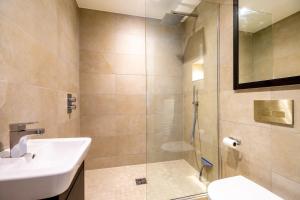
{"x": 269, "y": 40}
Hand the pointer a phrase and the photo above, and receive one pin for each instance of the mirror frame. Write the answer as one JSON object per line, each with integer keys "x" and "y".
{"x": 293, "y": 80}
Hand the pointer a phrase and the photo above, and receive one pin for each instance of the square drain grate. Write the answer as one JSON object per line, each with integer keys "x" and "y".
{"x": 140, "y": 181}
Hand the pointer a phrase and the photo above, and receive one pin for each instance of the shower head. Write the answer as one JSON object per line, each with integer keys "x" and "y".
{"x": 171, "y": 19}
{"x": 175, "y": 17}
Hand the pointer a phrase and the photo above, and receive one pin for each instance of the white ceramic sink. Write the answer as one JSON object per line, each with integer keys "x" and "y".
{"x": 48, "y": 174}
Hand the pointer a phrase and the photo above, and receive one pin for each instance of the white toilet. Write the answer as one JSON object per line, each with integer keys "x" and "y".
{"x": 238, "y": 188}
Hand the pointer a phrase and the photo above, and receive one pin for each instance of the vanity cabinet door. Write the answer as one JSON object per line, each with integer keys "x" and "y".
{"x": 77, "y": 191}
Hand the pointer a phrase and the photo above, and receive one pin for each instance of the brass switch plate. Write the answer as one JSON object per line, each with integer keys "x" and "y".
{"x": 274, "y": 111}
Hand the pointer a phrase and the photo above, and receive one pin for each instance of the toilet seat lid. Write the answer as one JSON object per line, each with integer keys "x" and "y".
{"x": 239, "y": 188}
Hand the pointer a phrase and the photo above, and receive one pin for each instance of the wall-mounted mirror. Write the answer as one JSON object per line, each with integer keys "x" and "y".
{"x": 266, "y": 43}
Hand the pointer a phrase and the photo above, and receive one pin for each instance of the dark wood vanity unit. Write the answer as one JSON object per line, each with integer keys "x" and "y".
{"x": 76, "y": 189}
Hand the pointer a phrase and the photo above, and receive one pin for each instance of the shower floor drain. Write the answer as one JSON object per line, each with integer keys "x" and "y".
{"x": 140, "y": 181}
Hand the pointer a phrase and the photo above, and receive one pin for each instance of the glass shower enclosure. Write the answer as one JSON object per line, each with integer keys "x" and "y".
{"x": 182, "y": 98}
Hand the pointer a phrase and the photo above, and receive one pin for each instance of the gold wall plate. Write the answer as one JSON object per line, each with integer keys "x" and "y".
{"x": 274, "y": 111}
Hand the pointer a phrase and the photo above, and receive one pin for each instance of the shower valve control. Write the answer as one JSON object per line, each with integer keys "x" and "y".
{"x": 70, "y": 103}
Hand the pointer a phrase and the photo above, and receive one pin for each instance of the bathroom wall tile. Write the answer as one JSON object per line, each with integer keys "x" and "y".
{"x": 130, "y": 84}
{"x": 127, "y": 63}
{"x": 285, "y": 188}
{"x": 130, "y": 44}
{"x": 102, "y": 22}
{"x": 101, "y": 162}
{"x": 226, "y": 78}
{"x": 131, "y": 25}
{"x": 68, "y": 31}
{"x": 130, "y": 124}
{"x": 114, "y": 45}
{"x": 97, "y": 83}
{"x": 165, "y": 124}
{"x": 164, "y": 104}
{"x": 132, "y": 159}
{"x": 130, "y": 104}
{"x": 252, "y": 171}
{"x": 70, "y": 128}
{"x": 94, "y": 62}
{"x": 131, "y": 144}
{"x": 243, "y": 111}
{"x": 68, "y": 14}
{"x": 161, "y": 156}
{"x": 94, "y": 105}
{"x": 25, "y": 103}
{"x": 113, "y": 74}
{"x": 39, "y": 20}
{"x": 68, "y": 49}
{"x": 99, "y": 125}
{"x": 156, "y": 143}
{"x": 285, "y": 152}
{"x": 103, "y": 146}
{"x": 158, "y": 46}
{"x": 163, "y": 85}
{"x": 110, "y": 41}
{"x": 31, "y": 56}
{"x": 164, "y": 64}
{"x": 259, "y": 136}
{"x": 67, "y": 69}
{"x": 115, "y": 161}
{"x": 94, "y": 40}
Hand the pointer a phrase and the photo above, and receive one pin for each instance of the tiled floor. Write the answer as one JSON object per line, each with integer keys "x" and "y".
{"x": 166, "y": 180}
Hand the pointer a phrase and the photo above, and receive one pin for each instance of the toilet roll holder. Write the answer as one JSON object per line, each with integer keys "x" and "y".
{"x": 237, "y": 142}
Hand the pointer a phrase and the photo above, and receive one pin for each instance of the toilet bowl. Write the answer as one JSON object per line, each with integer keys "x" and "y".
{"x": 238, "y": 188}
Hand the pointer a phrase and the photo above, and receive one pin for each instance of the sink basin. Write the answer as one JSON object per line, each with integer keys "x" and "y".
{"x": 46, "y": 171}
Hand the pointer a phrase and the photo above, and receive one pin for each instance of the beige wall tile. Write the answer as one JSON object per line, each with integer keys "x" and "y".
{"x": 98, "y": 125}
{"x": 97, "y": 83}
{"x": 39, "y": 20}
{"x": 130, "y": 84}
{"x": 102, "y": 162}
{"x": 93, "y": 105}
{"x": 163, "y": 85}
{"x": 130, "y": 104}
{"x": 285, "y": 188}
{"x": 113, "y": 86}
{"x": 103, "y": 146}
{"x": 285, "y": 152}
{"x": 114, "y": 45}
{"x": 127, "y": 63}
{"x": 115, "y": 161}
{"x": 242, "y": 111}
{"x": 94, "y": 62}
{"x": 131, "y": 144}
{"x": 130, "y": 124}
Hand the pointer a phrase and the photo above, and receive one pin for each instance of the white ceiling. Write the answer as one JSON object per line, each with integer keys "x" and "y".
{"x": 143, "y": 8}
{"x": 259, "y": 14}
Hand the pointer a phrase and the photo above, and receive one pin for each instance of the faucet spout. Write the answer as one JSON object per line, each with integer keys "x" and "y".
{"x": 18, "y": 139}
